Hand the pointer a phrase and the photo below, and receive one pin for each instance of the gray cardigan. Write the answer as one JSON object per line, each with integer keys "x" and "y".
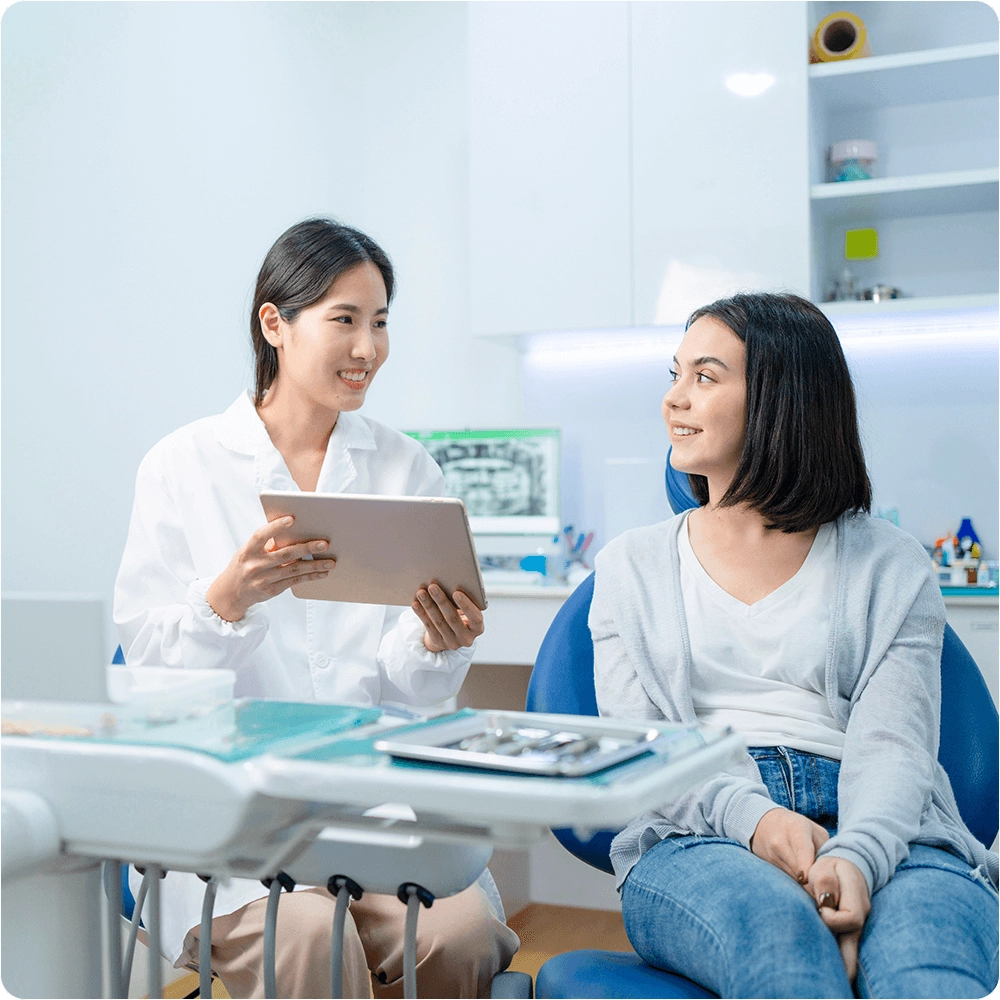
{"x": 883, "y": 685}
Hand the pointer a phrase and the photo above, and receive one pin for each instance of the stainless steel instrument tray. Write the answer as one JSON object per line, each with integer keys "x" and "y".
{"x": 522, "y": 743}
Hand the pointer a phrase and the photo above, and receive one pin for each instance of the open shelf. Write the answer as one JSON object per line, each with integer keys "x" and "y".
{"x": 939, "y": 303}
{"x": 950, "y": 193}
{"x": 953, "y": 73}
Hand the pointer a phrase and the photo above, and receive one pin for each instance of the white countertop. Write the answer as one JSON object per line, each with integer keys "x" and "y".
{"x": 556, "y": 591}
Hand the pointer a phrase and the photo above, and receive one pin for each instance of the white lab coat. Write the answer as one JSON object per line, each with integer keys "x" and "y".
{"x": 196, "y": 503}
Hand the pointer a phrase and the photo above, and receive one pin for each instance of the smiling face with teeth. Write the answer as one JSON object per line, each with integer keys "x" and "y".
{"x": 329, "y": 354}
{"x": 705, "y": 409}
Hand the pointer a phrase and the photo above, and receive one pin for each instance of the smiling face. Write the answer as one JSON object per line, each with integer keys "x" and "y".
{"x": 329, "y": 354}
{"x": 705, "y": 409}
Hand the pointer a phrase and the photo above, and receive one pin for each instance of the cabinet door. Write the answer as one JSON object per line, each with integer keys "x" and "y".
{"x": 549, "y": 245}
{"x": 721, "y": 196}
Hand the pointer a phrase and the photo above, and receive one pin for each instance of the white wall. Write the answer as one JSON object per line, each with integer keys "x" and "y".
{"x": 151, "y": 153}
{"x": 927, "y": 409}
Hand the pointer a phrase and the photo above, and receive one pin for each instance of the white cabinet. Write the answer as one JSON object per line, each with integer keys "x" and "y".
{"x": 976, "y": 621}
{"x": 614, "y": 180}
{"x": 721, "y": 197}
{"x": 549, "y": 244}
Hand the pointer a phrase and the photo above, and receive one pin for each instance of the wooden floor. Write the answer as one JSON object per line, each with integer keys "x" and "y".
{"x": 550, "y": 930}
{"x": 544, "y": 931}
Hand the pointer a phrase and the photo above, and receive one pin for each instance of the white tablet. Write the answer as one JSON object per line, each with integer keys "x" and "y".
{"x": 386, "y": 548}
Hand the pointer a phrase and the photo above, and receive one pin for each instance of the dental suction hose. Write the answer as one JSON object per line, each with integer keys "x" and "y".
{"x": 274, "y": 887}
{"x": 205, "y": 938}
{"x": 155, "y": 979}
{"x": 133, "y": 932}
{"x": 343, "y": 888}
{"x": 113, "y": 889}
{"x": 413, "y": 895}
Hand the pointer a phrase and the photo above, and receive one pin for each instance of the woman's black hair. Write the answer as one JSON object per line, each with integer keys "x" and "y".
{"x": 297, "y": 272}
{"x": 802, "y": 463}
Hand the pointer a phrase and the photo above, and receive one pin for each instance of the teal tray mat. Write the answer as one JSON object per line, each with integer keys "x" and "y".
{"x": 246, "y": 729}
{"x": 970, "y": 591}
{"x": 362, "y": 751}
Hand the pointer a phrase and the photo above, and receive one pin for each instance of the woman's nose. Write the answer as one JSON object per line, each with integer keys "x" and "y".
{"x": 675, "y": 397}
{"x": 364, "y": 347}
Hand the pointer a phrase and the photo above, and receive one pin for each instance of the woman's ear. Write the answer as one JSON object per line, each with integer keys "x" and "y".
{"x": 270, "y": 323}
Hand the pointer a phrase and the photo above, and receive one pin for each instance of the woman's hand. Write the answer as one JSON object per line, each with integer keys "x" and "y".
{"x": 448, "y": 623}
{"x": 262, "y": 570}
{"x": 841, "y": 893}
{"x": 788, "y": 841}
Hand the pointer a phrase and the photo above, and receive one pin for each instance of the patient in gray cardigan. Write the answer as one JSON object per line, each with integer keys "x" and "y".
{"x": 833, "y": 858}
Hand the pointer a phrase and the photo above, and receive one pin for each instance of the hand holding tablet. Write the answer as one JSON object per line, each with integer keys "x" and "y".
{"x": 414, "y": 551}
{"x": 263, "y": 568}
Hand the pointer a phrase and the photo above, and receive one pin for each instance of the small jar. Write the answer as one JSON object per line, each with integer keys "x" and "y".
{"x": 852, "y": 160}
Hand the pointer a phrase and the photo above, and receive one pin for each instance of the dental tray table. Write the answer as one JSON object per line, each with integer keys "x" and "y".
{"x": 237, "y": 789}
{"x": 507, "y": 741}
{"x": 309, "y": 792}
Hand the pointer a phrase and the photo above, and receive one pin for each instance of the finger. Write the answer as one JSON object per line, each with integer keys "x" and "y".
{"x": 800, "y": 853}
{"x": 447, "y": 636}
{"x": 280, "y": 586}
{"x": 473, "y": 616}
{"x": 297, "y": 550}
{"x": 842, "y": 921}
{"x": 824, "y": 886}
{"x": 432, "y": 638}
{"x": 849, "y": 952}
{"x": 448, "y": 610}
{"x": 265, "y": 531}
{"x": 300, "y": 570}
{"x": 819, "y": 836}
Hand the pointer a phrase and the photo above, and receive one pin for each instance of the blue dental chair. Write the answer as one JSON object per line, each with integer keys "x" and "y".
{"x": 563, "y": 681}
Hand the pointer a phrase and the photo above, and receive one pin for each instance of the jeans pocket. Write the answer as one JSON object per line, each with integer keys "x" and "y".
{"x": 774, "y": 774}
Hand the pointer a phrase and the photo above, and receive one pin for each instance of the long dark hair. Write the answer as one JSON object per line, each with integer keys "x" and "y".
{"x": 802, "y": 463}
{"x": 297, "y": 272}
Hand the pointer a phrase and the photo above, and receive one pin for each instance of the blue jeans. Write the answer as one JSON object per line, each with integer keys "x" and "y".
{"x": 709, "y": 909}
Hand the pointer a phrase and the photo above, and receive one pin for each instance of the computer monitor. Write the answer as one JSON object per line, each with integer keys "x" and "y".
{"x": 508, "y": 479}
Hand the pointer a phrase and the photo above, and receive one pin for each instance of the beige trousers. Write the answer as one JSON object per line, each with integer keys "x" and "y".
{"x": 461, "y": 946}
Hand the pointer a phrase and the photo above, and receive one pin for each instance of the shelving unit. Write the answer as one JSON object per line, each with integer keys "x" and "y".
{"x": 896, "y": 306}
{"x": 945, "y": 193}
{"x": 953, "y": 73}
{"x": 933, "y": 113}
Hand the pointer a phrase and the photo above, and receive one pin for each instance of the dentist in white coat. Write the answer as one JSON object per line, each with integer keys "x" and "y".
{"x": 202, "y": 584}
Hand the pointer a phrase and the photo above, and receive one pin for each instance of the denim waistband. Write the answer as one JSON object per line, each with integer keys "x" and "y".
{"x": 803, "y": 782}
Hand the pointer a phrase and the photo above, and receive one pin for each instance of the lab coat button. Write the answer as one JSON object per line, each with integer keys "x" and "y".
{"x": 321, "y": 660}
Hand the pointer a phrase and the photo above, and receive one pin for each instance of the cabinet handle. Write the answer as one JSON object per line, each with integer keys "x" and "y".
{"x": 984, "y": 626}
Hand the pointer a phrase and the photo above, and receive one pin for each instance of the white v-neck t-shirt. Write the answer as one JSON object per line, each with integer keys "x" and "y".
{"x": 761, "y": 668}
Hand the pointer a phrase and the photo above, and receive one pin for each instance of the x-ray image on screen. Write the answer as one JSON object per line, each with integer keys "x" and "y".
{"x": 507, "y": 479}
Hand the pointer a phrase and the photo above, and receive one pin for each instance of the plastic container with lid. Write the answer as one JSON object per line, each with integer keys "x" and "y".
{"x": 852, "y": 160}
{"x": 139, "y": 698}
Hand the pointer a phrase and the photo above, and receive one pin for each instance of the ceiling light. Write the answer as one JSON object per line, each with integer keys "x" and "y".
{"x": 749, "y": 84}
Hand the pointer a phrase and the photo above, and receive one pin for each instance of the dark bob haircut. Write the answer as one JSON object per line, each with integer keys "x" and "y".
{"x": 298, "y": 271}
{"x": 802, "y": 463}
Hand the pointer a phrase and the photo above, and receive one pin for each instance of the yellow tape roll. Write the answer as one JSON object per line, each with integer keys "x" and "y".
{"x": 839, "y": 36}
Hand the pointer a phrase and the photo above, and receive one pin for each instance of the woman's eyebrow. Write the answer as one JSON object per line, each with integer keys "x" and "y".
{"x": 345, "y": 307}
{"x": 706, "y": 359}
